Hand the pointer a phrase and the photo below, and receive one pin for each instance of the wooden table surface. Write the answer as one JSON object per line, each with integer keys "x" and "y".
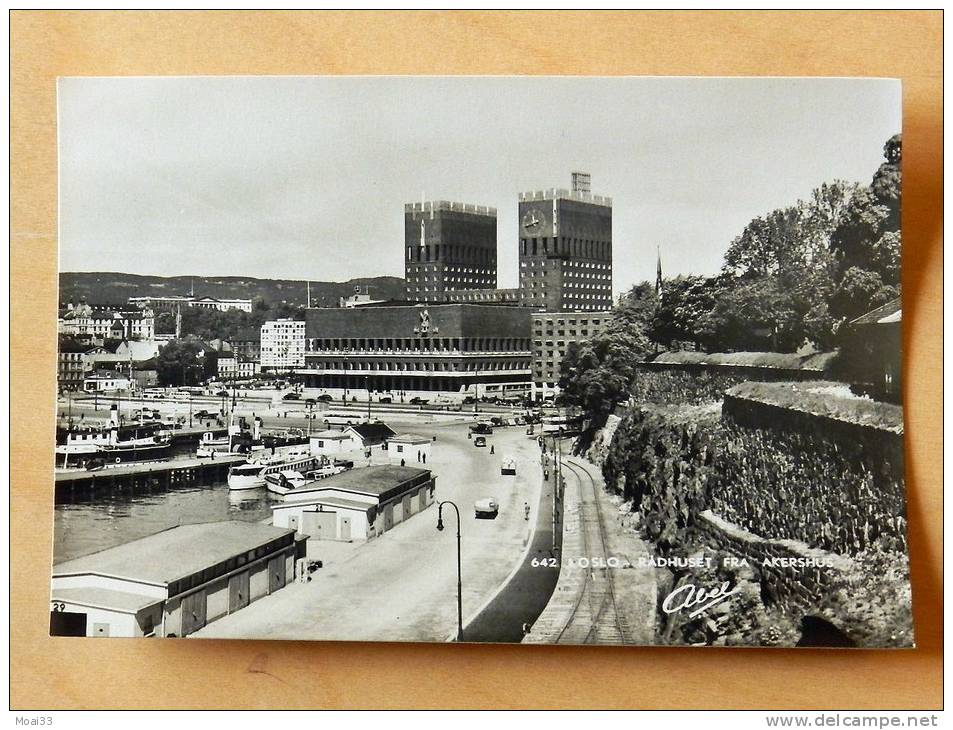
{"x": 53, "y": 673}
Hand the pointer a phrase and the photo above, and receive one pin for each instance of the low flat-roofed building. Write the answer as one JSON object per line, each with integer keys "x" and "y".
{"x": 330, "y": 443}
{"x": 358, "y": 504}
{"x": 409, "y": 448}
{"x": 462, "y": 348}
{"x": 171, "y": 583}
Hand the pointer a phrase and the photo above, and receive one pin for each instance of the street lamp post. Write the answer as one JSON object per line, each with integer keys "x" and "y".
{"x": 459, "y": 580}
{"x": 367, "y": 387}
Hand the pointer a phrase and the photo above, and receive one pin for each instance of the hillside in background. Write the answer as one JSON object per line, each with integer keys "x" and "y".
{"x": 113, "y": 289}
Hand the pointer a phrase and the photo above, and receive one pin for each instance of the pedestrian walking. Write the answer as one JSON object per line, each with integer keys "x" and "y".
{"x": 526, "y": 510}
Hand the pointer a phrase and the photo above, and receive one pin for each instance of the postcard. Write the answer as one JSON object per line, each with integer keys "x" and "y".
{"x": 539, "y": 360}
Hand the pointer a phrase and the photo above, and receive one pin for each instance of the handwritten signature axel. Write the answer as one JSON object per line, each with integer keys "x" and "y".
{"x": 690, "y": 596}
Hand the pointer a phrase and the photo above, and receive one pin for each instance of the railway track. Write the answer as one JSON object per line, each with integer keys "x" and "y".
{"x": 595, "y": 617}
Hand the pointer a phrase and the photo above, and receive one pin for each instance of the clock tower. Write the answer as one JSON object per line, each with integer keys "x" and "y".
{"x": 565, "y": 249}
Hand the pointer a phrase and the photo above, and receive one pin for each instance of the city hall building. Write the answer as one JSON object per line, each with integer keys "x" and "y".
{"x": 553, "y": 332}
{"x": 565, "y": 253}
{"x": 422, "y": 347}
{"x": 448, "y": 247}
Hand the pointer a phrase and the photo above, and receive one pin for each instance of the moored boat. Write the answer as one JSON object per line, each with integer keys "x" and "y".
{"x": 252, "y": 473}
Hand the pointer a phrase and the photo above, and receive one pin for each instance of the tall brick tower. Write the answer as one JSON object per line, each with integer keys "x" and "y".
{"x": 447, "y": 247}
{"x": 565, "y": 252}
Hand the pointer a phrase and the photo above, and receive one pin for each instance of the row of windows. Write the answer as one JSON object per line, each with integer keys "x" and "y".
{"x": 564, "y": 246}
{"x": 444, "y": 252}
{"x": 418, "y": 344}
{"x": 446, "y": 367}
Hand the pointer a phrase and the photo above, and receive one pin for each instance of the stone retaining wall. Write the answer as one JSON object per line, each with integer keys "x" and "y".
{"x": 794, "y": 588}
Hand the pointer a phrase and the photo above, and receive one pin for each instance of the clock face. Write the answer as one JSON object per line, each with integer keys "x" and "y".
{"x": 533, "y": 222}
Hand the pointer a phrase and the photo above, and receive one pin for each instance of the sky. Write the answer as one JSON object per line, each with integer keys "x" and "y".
{"x": 306, "y": 177}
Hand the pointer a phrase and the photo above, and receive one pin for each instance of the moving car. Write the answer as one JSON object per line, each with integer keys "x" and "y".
{"x": 385, "y": 399}
{"x": 416, "y": 401}
{"x": 481, "y": 427}
{"x": 486, "y": 509}
{"x": 508, "y": 467}
{"x": 479, "y": 441}
{"x": 325, "y": 398}
{"x": 203, "y": 414}
{"x": 291, "y": 396}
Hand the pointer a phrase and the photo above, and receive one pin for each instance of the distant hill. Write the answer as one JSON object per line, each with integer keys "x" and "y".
{"x": 113, "y": 288}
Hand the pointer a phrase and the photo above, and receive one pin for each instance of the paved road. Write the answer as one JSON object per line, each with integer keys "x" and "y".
{"x": 402, "y": 586}
{"x": 529, "y": 589}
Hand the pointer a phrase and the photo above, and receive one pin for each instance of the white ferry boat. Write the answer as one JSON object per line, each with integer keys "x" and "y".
{"x": 282, "y": 482}
{"x": 252, "y": 473}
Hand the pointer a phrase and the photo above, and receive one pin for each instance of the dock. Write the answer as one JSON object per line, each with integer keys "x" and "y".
{"x": 81, "y": 483}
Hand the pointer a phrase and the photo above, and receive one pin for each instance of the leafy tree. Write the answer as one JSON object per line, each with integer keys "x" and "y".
{"x": 597, "y": 374}
{"x": 182, "y": 362}
{"x": 165, "y": 323}
{"x": 685, "y": 299}
{"x": 866, "y": 243}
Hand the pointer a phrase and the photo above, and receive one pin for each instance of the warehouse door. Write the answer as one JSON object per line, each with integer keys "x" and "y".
{"x": 238, "y": 591}
{"x": 345, "y": 528}
{"x": 67, "y": 623}
{"x": 276, "y": 573}
{"x": 193, "y": 612}
{"x": 320, "y": 525}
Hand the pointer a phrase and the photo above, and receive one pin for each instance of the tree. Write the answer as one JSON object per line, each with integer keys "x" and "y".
{"x": 165, "y": 323}
{"x": 866, "y": 243}
{"x": 597, "y": 374}
{"x": 685, "y": 299}
{"x": 179, "y": 363}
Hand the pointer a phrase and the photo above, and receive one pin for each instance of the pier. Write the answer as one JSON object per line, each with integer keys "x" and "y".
{"x": 80, "y": 483}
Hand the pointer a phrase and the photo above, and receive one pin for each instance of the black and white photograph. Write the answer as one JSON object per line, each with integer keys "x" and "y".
{"x": 499, "y": 359}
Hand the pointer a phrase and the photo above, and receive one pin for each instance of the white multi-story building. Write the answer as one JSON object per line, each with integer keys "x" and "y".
{"x": 233, "y": 368}
{"x": 282, "y": 345}
{"x": 173, "y": 303}
{"x": 83, "y": 320}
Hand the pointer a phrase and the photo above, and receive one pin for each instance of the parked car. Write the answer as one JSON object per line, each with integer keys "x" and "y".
{"x": 385, "y": 399}
{"x": 291, "y": 396}
{"x": 486, "y": 508}
{"x": 479, "y": 441}
{"x": 325, "y": 398}
{"x": 222, "y": 393}
{"x": 203, "y": 414}
{"x": 469, "y": 400}
{"x": 346, "y": 463}
{"x": 310, "y": 401}
{"x": 417, "y": 401}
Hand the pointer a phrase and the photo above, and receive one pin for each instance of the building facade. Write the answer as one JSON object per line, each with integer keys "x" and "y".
{"x": 358, "y": 504}
{"x": 553, "y": 332}
{"x": 483, "y": 296}
{"x": 171, "y": 583}
{"x": 172, "y": 303}
{"x": 440, "y": 347}
{"x": 72, "y": 364}
{"x": 282, "y": 345}
{"x": 236, "y": 368}
{"x": 91, "y": 323}
{"x": 448, "y": 246}
{"x": 246, "y": 344}
{"x": 565, "y": 249}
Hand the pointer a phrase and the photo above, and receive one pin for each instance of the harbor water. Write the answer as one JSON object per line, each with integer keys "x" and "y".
{"x": 85, "y": 526}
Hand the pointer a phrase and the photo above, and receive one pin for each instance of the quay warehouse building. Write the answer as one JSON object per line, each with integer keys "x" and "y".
{"x": 456, "y": 332}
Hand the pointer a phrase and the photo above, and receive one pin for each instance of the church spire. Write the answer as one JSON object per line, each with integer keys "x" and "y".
{"x": 658, "y": 273}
